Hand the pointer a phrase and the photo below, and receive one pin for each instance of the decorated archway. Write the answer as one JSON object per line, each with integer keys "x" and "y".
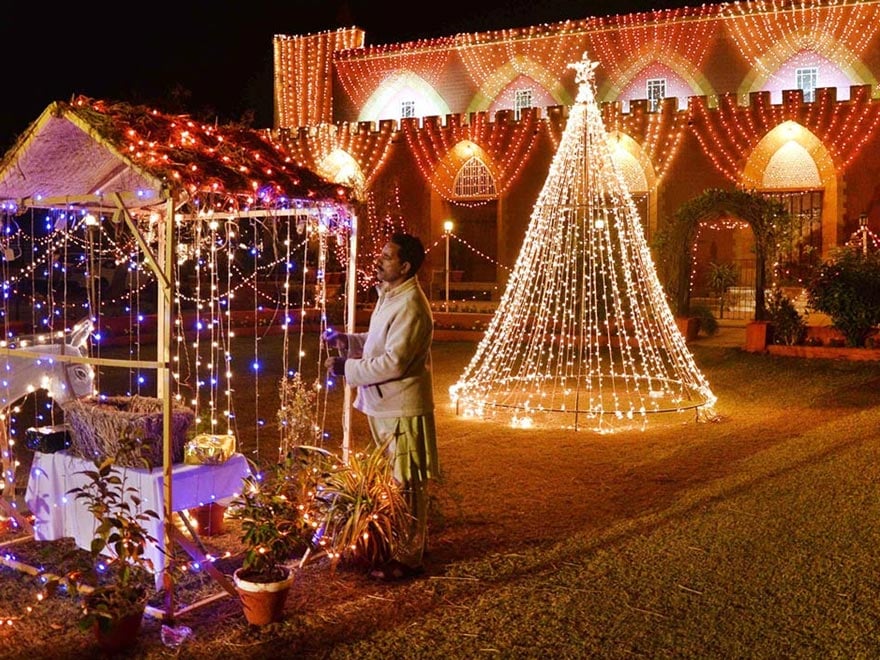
{"x": 768, "y": 219}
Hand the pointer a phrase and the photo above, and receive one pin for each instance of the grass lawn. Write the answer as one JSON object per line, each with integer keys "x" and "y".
{"x": 754, "y": 536}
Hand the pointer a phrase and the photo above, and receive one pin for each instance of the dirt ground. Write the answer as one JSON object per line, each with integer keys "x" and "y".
{"x": 504, "y": 492}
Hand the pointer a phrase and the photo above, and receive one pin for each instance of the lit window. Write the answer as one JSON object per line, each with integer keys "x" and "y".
{"x": 522, "y": 100}
{"x": 474, "y": 180}
{"x": 407, "y": 109}
{"x": 656, "y": 92}
{"x": 807, "y": 78}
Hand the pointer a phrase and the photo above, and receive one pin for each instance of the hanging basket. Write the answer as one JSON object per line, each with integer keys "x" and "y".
{"x": 100, "y": 428}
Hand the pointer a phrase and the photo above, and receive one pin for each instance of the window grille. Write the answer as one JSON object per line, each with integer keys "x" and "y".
{"x": 807, "y": 79}
{"x": 474, "y": 180}
{"x": 522, "y": 101}
{"x": 656, "y": 92}
{"x": 407, "y": 109}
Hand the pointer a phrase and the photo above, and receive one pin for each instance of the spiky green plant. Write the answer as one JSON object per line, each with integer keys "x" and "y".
{"x": 367, "y": 514}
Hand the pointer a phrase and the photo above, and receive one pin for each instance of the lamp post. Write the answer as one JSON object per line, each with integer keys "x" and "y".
{"x": 863, "y": 227}
{"x": 447, "y": 229}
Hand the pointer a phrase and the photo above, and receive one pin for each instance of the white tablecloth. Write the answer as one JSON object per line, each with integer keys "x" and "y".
{"x": 59, "y": 515}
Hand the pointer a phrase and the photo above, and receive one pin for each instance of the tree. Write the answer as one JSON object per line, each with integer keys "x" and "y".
{"x": 719, "y": 278}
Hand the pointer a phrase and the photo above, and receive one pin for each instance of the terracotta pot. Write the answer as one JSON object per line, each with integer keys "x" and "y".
{"x": 263, "y": 602}
{"x": 759, "y": 334}
{"x": 689, "y": 326}
{"x": 119, "y": 634}
{"x": 209, "y": 518}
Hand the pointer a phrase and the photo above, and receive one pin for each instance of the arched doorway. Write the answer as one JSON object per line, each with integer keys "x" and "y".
{"x": 769, "y": 222}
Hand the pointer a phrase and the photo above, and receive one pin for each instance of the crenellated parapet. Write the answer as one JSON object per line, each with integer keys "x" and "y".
{"x": 503, "y": 142}
{"x": 731, "y": 131}
{"x": 727, "y": 127}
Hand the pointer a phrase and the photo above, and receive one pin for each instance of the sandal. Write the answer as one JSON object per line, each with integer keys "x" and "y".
{"x": 395, "y": 570}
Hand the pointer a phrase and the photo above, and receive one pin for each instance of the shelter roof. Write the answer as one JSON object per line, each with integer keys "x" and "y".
{"x": 86, "y": 151}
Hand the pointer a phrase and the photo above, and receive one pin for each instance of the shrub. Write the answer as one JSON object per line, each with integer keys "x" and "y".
{"x": 708, "y": 322}
{"x": 847, "y": 288}
{"x": 789, "y": 327}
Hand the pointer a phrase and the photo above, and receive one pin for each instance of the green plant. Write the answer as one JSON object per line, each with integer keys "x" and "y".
{"x": 296, "y": 414}
{"x": 367, "y": 514}
{"x": 768, "y": 218}
{"x": 708, "y": 322}
{"x": 789, "y": 327}
{"x": 847, "y": 288}
{"x": 117, "y": 587}
{"x": 719, "y": 278}
{"x": 279, "y": 513}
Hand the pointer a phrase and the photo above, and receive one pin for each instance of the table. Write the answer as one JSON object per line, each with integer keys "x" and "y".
{"x": 58, "y": 515}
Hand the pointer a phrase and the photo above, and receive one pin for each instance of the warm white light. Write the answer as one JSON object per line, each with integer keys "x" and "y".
{"x": 583, "y": 336}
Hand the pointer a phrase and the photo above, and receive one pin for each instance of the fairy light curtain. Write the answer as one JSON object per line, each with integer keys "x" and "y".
{"x": 441, "y": 150}
{"x": 364, "y": 71}
{"x": 627, "y": 44}
{"x": 303, "y": 75}
{"x": 583, "y": 336}
{"x": 488, "y": 56}
{"x": 369, "y": 149}
{"x": 729, "y": 133}
{"x": 769, "y": 32}
{"x": 278, "y": 264}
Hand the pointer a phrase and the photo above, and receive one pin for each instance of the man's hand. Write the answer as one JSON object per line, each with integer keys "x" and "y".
{"x": 337, "y": 340}
{"x": 335, "y": 365}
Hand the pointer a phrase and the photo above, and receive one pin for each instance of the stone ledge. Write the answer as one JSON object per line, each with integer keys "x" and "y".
{"x": 825, "y": 352}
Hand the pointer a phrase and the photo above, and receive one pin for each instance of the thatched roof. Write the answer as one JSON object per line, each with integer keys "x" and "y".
{"x": 86, "y": 150}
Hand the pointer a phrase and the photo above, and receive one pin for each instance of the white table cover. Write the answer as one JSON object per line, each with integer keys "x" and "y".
{"x": 59, "y": 515}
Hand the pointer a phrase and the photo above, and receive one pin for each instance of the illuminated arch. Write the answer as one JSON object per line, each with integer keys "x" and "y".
{"x": 510, "y": 71}
{"x": 768, "y": 219}
{"x": 638, "y": 173}
{"x": 381, "y": 104}
{"x": 762, "y": 156}
{"x": 693, "y": 78}
{"x": 450, "y": 166}
{"x": 783, "y": 51}
{"x": 791, "y": 167}
{"x": 339, "y": 166}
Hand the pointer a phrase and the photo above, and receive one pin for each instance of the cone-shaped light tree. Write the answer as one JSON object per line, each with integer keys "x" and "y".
{"x": 583, "y": 336}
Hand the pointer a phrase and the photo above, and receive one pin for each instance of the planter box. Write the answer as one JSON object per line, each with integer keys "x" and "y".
{"x": 759, "y": 334}
{"x": 688, "y": 326}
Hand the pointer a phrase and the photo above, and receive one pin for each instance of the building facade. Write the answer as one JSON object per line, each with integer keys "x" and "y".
{"x": 773, "y": 97}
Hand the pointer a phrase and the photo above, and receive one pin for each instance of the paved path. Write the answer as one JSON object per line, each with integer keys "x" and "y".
{"x": 730, "y": 333}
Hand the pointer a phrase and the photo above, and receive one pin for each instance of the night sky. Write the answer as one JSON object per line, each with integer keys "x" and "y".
{"x": 214, "y": 59}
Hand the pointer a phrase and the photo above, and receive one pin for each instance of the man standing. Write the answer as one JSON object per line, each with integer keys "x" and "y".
{"x": 390, "y": 365}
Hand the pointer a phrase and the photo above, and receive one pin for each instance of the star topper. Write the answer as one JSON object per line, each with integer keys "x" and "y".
{"x": 584, "y": 69}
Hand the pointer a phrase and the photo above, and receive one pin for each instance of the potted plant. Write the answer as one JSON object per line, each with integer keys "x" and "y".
{"x": 278, "y": 519}
{"x": 789, "y": 327}
{"x": 706, "y": 319}
{"x": 366, "y": 514}
{"x": 115, "y": 594}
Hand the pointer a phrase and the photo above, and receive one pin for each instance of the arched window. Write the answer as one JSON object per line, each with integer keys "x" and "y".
{"x": 474, "y": 180}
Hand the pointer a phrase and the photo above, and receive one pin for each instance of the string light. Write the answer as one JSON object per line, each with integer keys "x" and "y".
{"x": 583, "y": 335}
{"x": 440, "y": 151}
{"x": 630, "y": 45}
{"x": 729, "y": 134}
{"x": 773, "y": 34}
{"x": 366, "y": 149}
